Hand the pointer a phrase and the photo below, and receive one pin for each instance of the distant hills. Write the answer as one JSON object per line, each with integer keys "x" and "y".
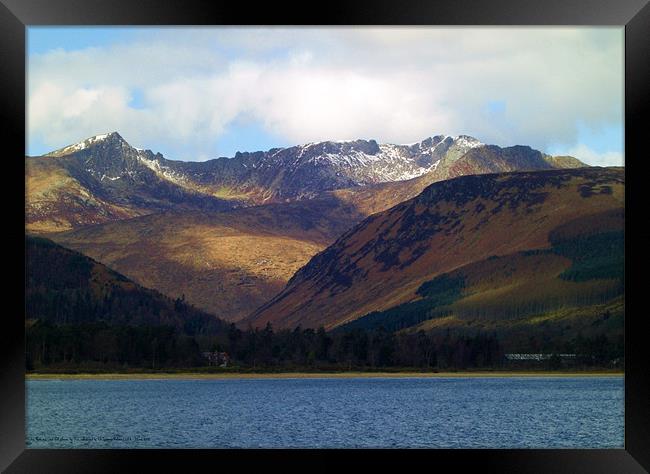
{"x": 491, "y": 251}
{"x": 229, "y": 233}
{"x": 104, "y": 179}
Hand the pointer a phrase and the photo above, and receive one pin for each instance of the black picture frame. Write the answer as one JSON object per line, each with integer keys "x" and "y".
{"x": 634, "y": 15}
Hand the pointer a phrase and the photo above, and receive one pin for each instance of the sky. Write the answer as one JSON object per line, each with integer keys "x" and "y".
{"x": 200, "y": 93}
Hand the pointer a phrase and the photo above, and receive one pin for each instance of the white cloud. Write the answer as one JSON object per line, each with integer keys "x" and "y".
{"x": 591, "y": 157}
{"x": 307, "y": 84}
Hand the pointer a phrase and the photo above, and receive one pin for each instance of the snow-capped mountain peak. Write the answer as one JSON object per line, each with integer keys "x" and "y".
{"x": 363, "y": 161}
{"x": 304, "y": 170}
{"x": 82, "y": 145}
{"x": 107, "y": 167}
{"x": 467, "y": 141}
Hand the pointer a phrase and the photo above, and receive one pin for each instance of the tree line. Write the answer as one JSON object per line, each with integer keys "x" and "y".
{"x": 102, "y": 345}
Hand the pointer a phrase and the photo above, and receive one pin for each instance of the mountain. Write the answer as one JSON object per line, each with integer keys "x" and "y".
{"x": 104, "y": 179}
{"x": 478, "y": 159}
{"x": 305, "y": 171}
{"x": 232, "y": 262}
{"x": 229, "y": 233}
{"x": 226, "y": 263}
{"x": 65, "y": 287}
{"x": 488, "y": 220}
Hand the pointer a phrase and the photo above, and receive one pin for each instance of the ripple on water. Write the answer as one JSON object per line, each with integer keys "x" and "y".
{"x": 327, "y": 413}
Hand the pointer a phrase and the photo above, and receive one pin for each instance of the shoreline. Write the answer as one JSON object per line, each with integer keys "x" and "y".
{"x": 311, "y": 375}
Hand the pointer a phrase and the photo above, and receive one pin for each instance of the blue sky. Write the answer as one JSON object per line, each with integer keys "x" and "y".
{"x": 200, "y": 93}
{"x": 45, "y": 39}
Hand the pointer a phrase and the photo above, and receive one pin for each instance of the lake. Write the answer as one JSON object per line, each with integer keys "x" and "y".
{"x": 455, "y": 412}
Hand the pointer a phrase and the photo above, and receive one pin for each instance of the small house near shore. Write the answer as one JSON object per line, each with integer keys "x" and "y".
{"x": 220, "y": 359}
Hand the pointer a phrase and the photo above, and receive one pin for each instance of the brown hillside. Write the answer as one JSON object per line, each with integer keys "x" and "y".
{"x": 57, "y": 201}
{"x": 226, "y": 263}
{"x": 381, "y": 262}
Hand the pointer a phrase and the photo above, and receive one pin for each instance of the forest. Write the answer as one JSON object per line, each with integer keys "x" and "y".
{"x": 100, "y": 346}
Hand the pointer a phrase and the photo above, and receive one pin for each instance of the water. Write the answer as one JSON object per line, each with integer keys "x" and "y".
{"x": 327, "y": 413}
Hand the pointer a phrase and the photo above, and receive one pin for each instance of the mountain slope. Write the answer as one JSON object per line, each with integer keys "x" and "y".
{"x": 577, "y": 275}
{"x": 99, "y": 180}
{"x": 55, "y": 200}
{"x": 65, "y": 287}
{"x": 226, "y": 263}
{"x": 382, "y": 262}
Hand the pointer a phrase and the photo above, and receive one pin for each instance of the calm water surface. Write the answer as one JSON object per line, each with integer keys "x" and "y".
{"x": 327, "y": 413}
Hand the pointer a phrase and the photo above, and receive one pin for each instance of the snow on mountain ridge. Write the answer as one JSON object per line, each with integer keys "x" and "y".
{"x": 467, "y": 141}
{"x": 369, "y": 162}
{"x": 332, "y": 164}
{"x": 162, "y": 171}
{"x": 82, "y": 145}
